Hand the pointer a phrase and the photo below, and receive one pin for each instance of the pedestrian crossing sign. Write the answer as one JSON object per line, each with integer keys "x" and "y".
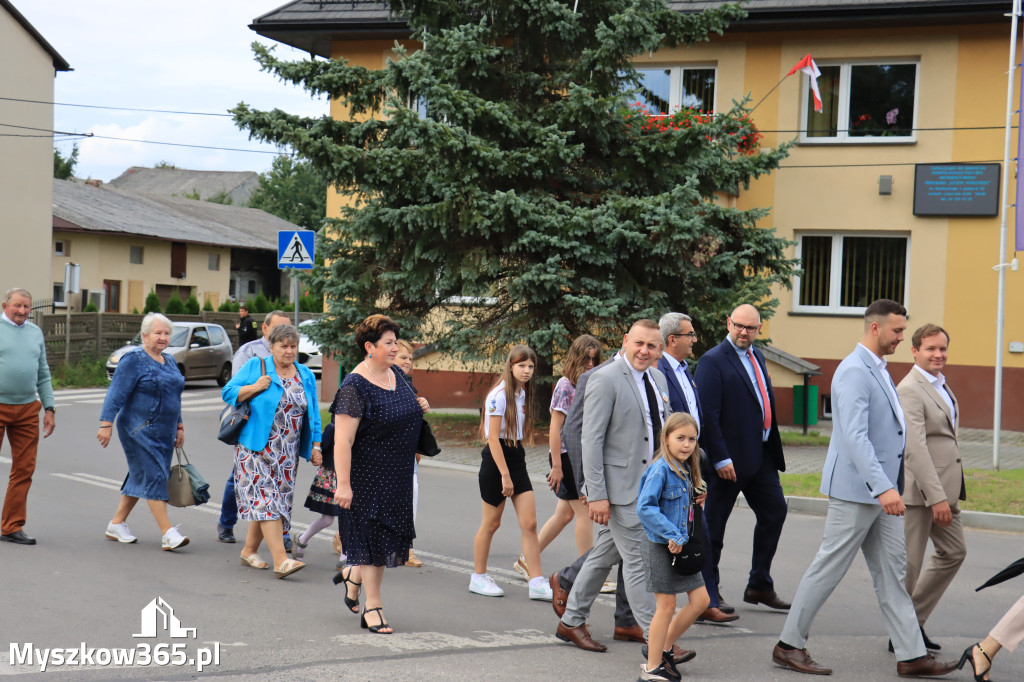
{"x": 295, "y": 249}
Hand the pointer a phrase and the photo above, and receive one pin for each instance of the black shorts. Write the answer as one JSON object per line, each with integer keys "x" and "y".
{"x": 567, "y": 488}
{"x": 490, "y": 477}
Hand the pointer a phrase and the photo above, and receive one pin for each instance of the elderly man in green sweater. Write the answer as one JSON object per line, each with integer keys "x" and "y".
{"x": 24, "y": 388}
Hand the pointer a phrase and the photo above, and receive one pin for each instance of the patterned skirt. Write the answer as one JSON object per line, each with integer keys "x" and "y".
{"x": 321, "y": 493}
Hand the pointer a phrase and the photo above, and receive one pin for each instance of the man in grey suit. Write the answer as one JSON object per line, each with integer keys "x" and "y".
{"x": 627, "y": 403}
{"x": 863, "y": 478}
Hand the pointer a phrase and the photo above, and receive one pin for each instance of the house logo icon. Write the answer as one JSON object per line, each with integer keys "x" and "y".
{"x": 158, "y": 615}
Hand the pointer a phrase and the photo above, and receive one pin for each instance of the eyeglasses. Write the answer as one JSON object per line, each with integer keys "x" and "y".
{"x": 692, "y": 335}
{"x": 742, "y": 327}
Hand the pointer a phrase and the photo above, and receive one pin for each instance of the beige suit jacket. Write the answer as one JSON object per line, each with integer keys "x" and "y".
{"x": 934, "y": 471}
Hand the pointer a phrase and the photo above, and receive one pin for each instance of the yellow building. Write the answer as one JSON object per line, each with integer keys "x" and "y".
{"x": 904, "y": 83}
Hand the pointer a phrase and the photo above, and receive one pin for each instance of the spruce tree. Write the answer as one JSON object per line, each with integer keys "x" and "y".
{"x": 152, "y": 303}
{"x": 503, "y": 178}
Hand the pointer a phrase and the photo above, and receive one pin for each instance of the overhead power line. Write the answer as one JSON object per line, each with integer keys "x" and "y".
{"x": 97, "y": 106}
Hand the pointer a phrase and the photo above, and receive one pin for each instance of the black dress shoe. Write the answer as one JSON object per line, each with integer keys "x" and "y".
{"x": 928, "y": 644}
{"x": 225, "y": 534}
{"x": 18, "y": 537}
{"x": 678, "y": 655}
{"x": 767, "y": 597}
{"x": 725, "y": 608}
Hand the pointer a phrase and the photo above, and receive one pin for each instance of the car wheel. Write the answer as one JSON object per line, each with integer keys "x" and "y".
{"x": 224, "y": 376}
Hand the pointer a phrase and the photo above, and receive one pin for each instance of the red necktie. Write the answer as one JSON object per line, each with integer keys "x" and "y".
{"x": 764, "y": 391}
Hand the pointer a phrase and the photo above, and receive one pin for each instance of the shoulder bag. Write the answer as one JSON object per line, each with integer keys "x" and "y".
{"x": 234, "y": 417}
{"x": 427, "y": 444}
{"x": 185, "y": 485}
{"x": 692, "y": 556}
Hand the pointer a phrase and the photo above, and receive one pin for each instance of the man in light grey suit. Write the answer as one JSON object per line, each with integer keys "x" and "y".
{"x": 627, "y": 403}
{"x": 863, "y": 478}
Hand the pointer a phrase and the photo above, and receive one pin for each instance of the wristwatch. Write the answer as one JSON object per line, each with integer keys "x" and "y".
{"x": 51, "y": 409}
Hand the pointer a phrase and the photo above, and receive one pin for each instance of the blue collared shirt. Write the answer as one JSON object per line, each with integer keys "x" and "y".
{"x": 682, "y": 376}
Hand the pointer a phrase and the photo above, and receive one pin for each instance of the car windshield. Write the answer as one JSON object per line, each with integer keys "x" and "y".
{"x": 178, "y": 336}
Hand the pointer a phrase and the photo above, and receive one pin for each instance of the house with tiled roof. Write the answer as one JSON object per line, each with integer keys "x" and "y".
{"x": 892, "y": 190}
{"x": 234, "y": 187}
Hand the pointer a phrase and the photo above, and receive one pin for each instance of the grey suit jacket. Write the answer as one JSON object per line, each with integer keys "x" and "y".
{"x": 572, "y": 428}
{"x": 934, "y": 469}
{"x": 865, "y": 455}
{"x": 616, "y": 439}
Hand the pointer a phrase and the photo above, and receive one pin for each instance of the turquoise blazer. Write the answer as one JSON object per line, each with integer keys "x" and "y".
{"x": 256, "y": 431}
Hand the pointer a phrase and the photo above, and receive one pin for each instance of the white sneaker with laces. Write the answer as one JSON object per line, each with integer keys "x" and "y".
{"x": 484, "y": 584}
{"x": 120, "y": 532}
{"x": 540, "y": 589}
{"x": 173, "y": 539}
{"x": 521, "y": 568}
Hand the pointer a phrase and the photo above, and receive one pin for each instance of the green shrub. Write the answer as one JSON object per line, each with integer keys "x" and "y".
{"x": 260, "y": 304}
{"x": 225, "y": 307}
{"x": 207, "y": 306}
{"x": 192, "y": 305}
{"x": 90, "y": 308}
{"x": 152, "y": 303}
{"x": 175, "y": 306}
{"x": 81, "y": 374}
{"x": 135, "y": 311}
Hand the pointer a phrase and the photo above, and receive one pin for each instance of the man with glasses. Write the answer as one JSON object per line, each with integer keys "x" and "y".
{"x": 740, "y": 435}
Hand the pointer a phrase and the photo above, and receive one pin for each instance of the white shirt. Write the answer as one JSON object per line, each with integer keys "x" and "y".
{"x": 684, "y": 383}
{"x": 638, "y": 377}
{"x": 4, "y": 317}
{"x": 495, "y": 406}
{"x": 939, "y": 382}
{"x": 891, "y": 388}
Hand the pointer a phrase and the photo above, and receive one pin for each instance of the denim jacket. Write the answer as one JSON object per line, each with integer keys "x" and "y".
{"x": 664, "y": 503}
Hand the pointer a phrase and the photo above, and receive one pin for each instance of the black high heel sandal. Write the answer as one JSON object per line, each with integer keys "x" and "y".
{"x": 339, "y": 578}
{"x": 968, "y": 657}
{"x": 375, "y": 629}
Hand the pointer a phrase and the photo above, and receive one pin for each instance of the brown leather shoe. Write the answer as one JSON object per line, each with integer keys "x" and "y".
{"x": 630, "y": 634}
{"x": 926, "y": 666}
{"x": 580, "y": 636}
{"x": 798, "y": 660}
{"x": 767, "y": 598}
{"x": 715, "y": 615}
{"x": 559, "y": 597}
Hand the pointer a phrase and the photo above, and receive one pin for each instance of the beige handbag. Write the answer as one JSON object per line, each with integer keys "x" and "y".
{"x": 185, "y": 486}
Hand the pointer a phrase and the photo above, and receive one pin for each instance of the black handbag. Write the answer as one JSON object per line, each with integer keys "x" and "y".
{"x": 692, "y": 556}
{"x": 234, "y": 417}
{"x": 426, "y": 445}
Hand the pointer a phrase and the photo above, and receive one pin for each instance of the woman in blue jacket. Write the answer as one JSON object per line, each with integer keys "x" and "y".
{"x": 145, "y": 398}
{"x": 284, "y": 423}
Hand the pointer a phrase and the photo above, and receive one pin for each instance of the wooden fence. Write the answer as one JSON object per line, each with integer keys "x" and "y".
{"x": 96, "y": 335}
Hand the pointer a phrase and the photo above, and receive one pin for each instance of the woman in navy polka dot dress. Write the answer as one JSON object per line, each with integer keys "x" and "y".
{"x": 377, "y": 425}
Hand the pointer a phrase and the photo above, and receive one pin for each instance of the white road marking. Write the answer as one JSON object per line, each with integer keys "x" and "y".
{"x": 404, "y": 643}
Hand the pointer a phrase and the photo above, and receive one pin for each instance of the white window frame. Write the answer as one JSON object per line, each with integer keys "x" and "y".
{"x": 836, "y": 274}
{"x": 675, "y": 81}
{"x": 61, "y": 247}
{"x": 843, "y": 123}
{"x": 142, "y": 254}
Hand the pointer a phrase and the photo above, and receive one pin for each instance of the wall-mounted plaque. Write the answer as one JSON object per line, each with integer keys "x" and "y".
{"x": 956, "y": 189}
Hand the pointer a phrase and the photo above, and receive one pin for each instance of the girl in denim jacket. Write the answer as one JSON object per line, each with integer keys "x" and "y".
{"x": 664, "y": 506}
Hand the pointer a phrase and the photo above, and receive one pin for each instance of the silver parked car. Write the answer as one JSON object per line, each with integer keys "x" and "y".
{"x": 202, "y": 351}
{"x": 309, "y": 351}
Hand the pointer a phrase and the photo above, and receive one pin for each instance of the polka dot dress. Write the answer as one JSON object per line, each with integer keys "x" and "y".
{"x": 378, "y": 529}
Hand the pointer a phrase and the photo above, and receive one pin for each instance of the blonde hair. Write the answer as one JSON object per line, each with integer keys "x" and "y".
{"x": 519, "y": 353}
{"x": 404, "y": 345}
{"x": 676, "y": 421}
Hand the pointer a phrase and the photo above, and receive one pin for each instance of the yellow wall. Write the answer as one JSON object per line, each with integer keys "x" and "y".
{"x": 104, "y": 256}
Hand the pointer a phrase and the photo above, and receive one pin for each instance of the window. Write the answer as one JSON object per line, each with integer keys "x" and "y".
{"x": 215, "y": 261}
{"x": 200, "y": 339}
{"x": 135, "y": 255}
{"x": 112, "y": 292}
{"x": 231, "y": 289}
{"x": 665, "y": 89}
{"x": 216, "y": 335}
{"x": 62, "y": 247}
{"x": 179, "y": 256}
{"x": 252, "y": 287}
{"x": 863, "y": 103}
{"x": 58, "y": 294}
{"x": 843, "y": 273}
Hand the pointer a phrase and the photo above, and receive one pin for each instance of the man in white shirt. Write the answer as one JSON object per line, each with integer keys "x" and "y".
{"x": 934, "y": 474}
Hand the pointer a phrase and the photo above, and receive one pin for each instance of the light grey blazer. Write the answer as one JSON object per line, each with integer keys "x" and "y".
{"x": 865, "y": 455}
{"x": 615, "y": 434}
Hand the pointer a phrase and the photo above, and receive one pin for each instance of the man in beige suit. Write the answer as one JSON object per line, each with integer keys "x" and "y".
{"x": 934, "y": 474}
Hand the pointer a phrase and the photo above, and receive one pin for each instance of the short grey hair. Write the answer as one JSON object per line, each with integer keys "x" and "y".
{"x": 16, "y": 291}
{"x": 670, "y": 323}
{"x": 272, "y": 314}
{"x": 283, "y": 332}
{"x": 153, "y": 318}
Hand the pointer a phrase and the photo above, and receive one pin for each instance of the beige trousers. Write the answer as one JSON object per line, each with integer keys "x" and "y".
{"x": 927, "y": 585}
{"x": 1009, "y": 631}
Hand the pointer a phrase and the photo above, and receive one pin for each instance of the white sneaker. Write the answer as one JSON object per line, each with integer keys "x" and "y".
{"x": 120, "y": 532}
{"x": 609, "y": 587}
{"x": 485, "y": 585}
{"x": 540, "y": 589}
{"x": 521, "y": 568}
{"x": 173, "y": 539}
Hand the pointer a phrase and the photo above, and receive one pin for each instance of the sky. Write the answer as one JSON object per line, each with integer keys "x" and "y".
{"x": 182, "y": 56}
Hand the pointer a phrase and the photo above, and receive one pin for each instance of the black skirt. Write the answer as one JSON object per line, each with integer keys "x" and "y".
{"x": 490, "y": 476}
{"x": 567, "y": 488}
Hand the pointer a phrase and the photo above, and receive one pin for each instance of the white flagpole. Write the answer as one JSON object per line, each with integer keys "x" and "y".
{"x": 1001, "y": 268}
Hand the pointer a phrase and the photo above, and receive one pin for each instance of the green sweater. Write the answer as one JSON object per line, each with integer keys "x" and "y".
{"x": 23, "y": 368}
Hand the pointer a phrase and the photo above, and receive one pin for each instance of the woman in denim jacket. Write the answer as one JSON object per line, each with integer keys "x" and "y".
{"x": 145, "y": 398}
{"x": 664, "y": 508}
{"x": 284, "y": 424}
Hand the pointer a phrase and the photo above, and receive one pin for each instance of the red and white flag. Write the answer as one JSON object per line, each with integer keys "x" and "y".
{"x": 808, "y": 66}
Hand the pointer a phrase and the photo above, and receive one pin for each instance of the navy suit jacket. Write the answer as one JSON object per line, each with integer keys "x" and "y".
{"x": 732, "y": 422}
{"x": 676, "y": 397}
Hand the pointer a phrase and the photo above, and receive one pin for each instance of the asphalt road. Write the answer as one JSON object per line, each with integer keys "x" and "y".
{"x": 76, "y": 589}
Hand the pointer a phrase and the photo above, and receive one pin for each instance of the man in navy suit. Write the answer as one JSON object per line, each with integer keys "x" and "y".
{"x": 740, "y": 435}
{"x": 678, "y": 337}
